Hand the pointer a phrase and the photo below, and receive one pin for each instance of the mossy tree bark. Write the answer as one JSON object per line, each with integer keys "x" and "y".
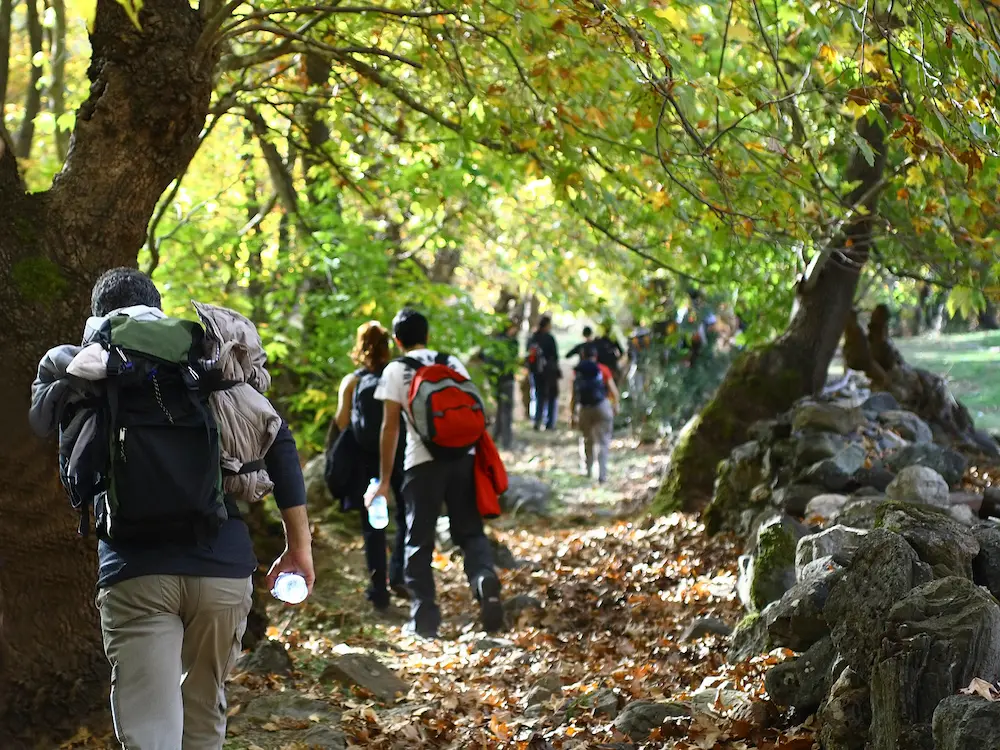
{"x": 149, "y": 95}
{"x": 768, "y": 380}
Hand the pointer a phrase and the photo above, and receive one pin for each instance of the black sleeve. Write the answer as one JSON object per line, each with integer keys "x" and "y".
{"x": 283, "y": 467}
{"x": 575, "y": 351}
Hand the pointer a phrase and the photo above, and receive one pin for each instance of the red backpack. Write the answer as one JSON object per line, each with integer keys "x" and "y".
{"x": 446, "y": 408}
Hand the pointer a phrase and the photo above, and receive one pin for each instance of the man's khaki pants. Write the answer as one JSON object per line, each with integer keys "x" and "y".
{"x": 171, "y": 641}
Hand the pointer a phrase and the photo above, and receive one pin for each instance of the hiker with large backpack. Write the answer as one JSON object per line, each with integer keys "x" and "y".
{"x": 145, "y": 447}
{"x": 445, "y": 420}
{"x": 594, "y": 405}
{"x": 543, "y": 363}
{"x": 359, "y": 419}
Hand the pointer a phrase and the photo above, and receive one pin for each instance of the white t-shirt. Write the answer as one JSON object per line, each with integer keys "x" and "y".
{"x": 395, "y": 386}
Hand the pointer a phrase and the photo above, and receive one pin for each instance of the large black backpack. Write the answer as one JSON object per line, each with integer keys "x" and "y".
{"x": 366, "y": 412}
{"x": 164, "y": 477}
{"x": 588, "y": 385}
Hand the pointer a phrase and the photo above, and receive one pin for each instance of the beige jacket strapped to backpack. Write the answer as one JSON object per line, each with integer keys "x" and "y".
{"x": 248, "y": 424}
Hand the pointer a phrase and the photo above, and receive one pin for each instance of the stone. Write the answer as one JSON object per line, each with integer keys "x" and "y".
{"x": 735, "y": 480}
{"x": 876, "y": 477}
{"x": 907, "y": 425}
{"x": 367, "y": 672}
{"x": 488, "y": 644}
{"x": 704, "y": 626}
{"x": 839, "y": 542}
{"x": 318, "y": 494}
{"x": 887, "y": 441}
{"x": 286, "y": 705}
{"x": 321, "y": 737}
{"x": 845, "y": 717}
{"x": 880, "y": 402}
{"x": 802, "y": 683}
{"x": 861, "y": 512}
{"x": 544, "y": 690}
{"x": 817, "y": 446}
{"x": 750, "y": 638}
{"x": 918, "y": 484}
{"x": 963, "y": 514}
{"x": 713, "y": 700}
{"x": 965, "y": 722}
{"x": 883, "y": 571}
{"x": 796, "y": 621}
{"x": 268, "y": 657}
{"x": 941, "y": 542}
{"x": 515, "y": 605}
{"x": 951, "y": 465}
{"x": 827, "y": 417}
{"x": 604, "y": 702}
{"x": 503, "y": 558}
{"x": 778, "y": 458}
{"x": 527, "y": 495}
{"x": 639, "y": 718}
{"x": 824, "y": 509}
{"x": 818, "y": 568}
{"x": 986, "y": 565}
{"x": 836, "y": 473}
{"x": 769, "y": 571}
{"x": 795, "y": 498}
{"x": 938, "y": 638}
{"x": 767, "y": 431}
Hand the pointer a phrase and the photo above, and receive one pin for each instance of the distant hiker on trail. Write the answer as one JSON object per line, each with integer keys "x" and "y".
{"x": 144, "y": 441}
{"x": 543, "y": 363}
{"x": 501, "y": 358}
{"x": 444, "y": 419}
{"x": 354, "y": 460}
{"x": 588, "y": 340}
{"x": 609, "y": 352}
{"x": 594, "y": 405}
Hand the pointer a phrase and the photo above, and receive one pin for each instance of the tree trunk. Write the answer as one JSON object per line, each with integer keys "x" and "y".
{"x": 6, "y": 10}
{"x": 768, "y": 380}
{"x": 988, "y": 317}
{"x": 149, "y": 96}
{"x": 33, "y": 97}
{"x": 57, "y": 87}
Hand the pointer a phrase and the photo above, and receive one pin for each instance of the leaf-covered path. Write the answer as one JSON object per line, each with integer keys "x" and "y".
{"x": 600, "y": 597}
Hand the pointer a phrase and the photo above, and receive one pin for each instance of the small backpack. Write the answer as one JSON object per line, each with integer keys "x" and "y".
{"x": 164, "y": 477}
{"x": 446, "y": 408}
{"x": 537, "y": 361}
{"x": 366, "y": 412}
{"x": 588, "y": 384}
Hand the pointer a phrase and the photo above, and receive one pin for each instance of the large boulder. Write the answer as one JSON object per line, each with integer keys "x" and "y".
{"x": 919, "y": 484}
{"x": 966, "y": 722}
{"x": 837, "y": 472}
{"x": 527, "y": 495}
{"x": 880, "y": 402}
{"x": 817, "y": 446}
{"x": 796, "y": 621}
{"x": 946, "y": 545}
{"x": 839, "y": 542}
{"x": 824, "y": 509}
{"x": 736, "y": 478}
{"x": 802, "y": 683}
{"x": 949, "y": 464}
{"x": 883, "y": 571}
{"x": 267, "y": 658}
{"x": 769, "y": 571}
{"x": 876, "y": 476}
{"x": 318, "y": 495}
{"x": 366, "y": 672}
{"x": 819, "y": 568}
{"x": 846, "y": 715}
{"x": 750, "y": 638}
{"x": 795, "y": 498}
{"x": 986, "y": 565}
{"x": 907, "y": 425}
{"x": 937, "y": 639}
{"x": 861, "y": 511}
{"x": 838, "y": 417}
{"x": 639, "y": 718}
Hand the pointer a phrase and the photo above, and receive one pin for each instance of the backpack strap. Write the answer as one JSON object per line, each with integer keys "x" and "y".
{"x": 246, "y": 468}
{"x": 413, "y": 364}
{"x": 442, "y": 359}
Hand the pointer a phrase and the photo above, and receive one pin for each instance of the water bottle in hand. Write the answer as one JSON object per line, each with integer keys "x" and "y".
{"x": 290, "y": 588}
{"x": 378, "y": 510}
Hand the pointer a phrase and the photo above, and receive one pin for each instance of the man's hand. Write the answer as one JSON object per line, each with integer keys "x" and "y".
{"x": 382, "y": 489}
{"x": 294, "y": 560}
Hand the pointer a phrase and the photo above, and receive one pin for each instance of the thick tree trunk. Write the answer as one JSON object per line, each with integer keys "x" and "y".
{"x": 768, "y": 380}
{"x": 33, "y": 97}
{"x": 6, "y": 10}
{"x": 148, "y": 99}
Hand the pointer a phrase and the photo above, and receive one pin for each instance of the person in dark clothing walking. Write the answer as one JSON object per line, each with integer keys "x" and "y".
{"x": 543, "y": 361}
{"x": 609, "y": 352}
{"x": 355, "y": 404}
{"x": 501, "y": 359}
{"x": 428, "y": 481}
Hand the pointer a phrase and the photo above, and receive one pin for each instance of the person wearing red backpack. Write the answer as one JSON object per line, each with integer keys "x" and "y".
{"x": 444, "y": 419}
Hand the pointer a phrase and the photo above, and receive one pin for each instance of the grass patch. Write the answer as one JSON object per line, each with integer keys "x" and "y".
{"x": 969, "y": 362}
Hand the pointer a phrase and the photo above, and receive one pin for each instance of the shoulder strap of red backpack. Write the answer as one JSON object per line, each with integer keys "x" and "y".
{"x": 413, "y": 364}
{"x": 442, "y": 359}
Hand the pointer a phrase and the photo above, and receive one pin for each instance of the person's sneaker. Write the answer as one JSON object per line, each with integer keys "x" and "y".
{"x": 410, "y": 630}
{"x": 379, "y": 599}
{"x": 490, "y": 603}
{"x": 400, "y": 591}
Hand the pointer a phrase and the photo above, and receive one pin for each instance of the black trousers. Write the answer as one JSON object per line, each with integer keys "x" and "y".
{"x": 375, "y": 544}
{"x": 503, "y": 427}
{"x": 425, "y": 488}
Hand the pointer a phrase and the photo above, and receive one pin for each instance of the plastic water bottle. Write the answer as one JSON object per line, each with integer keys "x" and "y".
{"x": 290, "y": 588}
{"x": 378, "y": 511}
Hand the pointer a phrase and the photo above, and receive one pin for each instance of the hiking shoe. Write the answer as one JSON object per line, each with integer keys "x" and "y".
{"x": 490, "y": 604}
{"x": 410, "y": 630}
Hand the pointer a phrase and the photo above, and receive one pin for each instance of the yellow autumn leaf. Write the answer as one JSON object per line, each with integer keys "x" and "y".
{"x": 857, "y": 110}
{"x": 642, "y": 121}
{"x": 915, "y": 177}
{"x": 659, "y": 199}
{"x": 828, "y": 54}
{"x": 595, "y": 116}
{"x": 739, "y": 32}
{"x": 674, "y": 17}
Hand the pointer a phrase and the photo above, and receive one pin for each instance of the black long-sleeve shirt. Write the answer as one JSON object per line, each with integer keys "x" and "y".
{"x": 230, "y": 554}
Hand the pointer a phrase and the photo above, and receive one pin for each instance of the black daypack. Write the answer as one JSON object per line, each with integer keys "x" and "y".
{"x": 164, "y": 477}
{"x": 366, "y": 412}
{"x": 588, "y": 385}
